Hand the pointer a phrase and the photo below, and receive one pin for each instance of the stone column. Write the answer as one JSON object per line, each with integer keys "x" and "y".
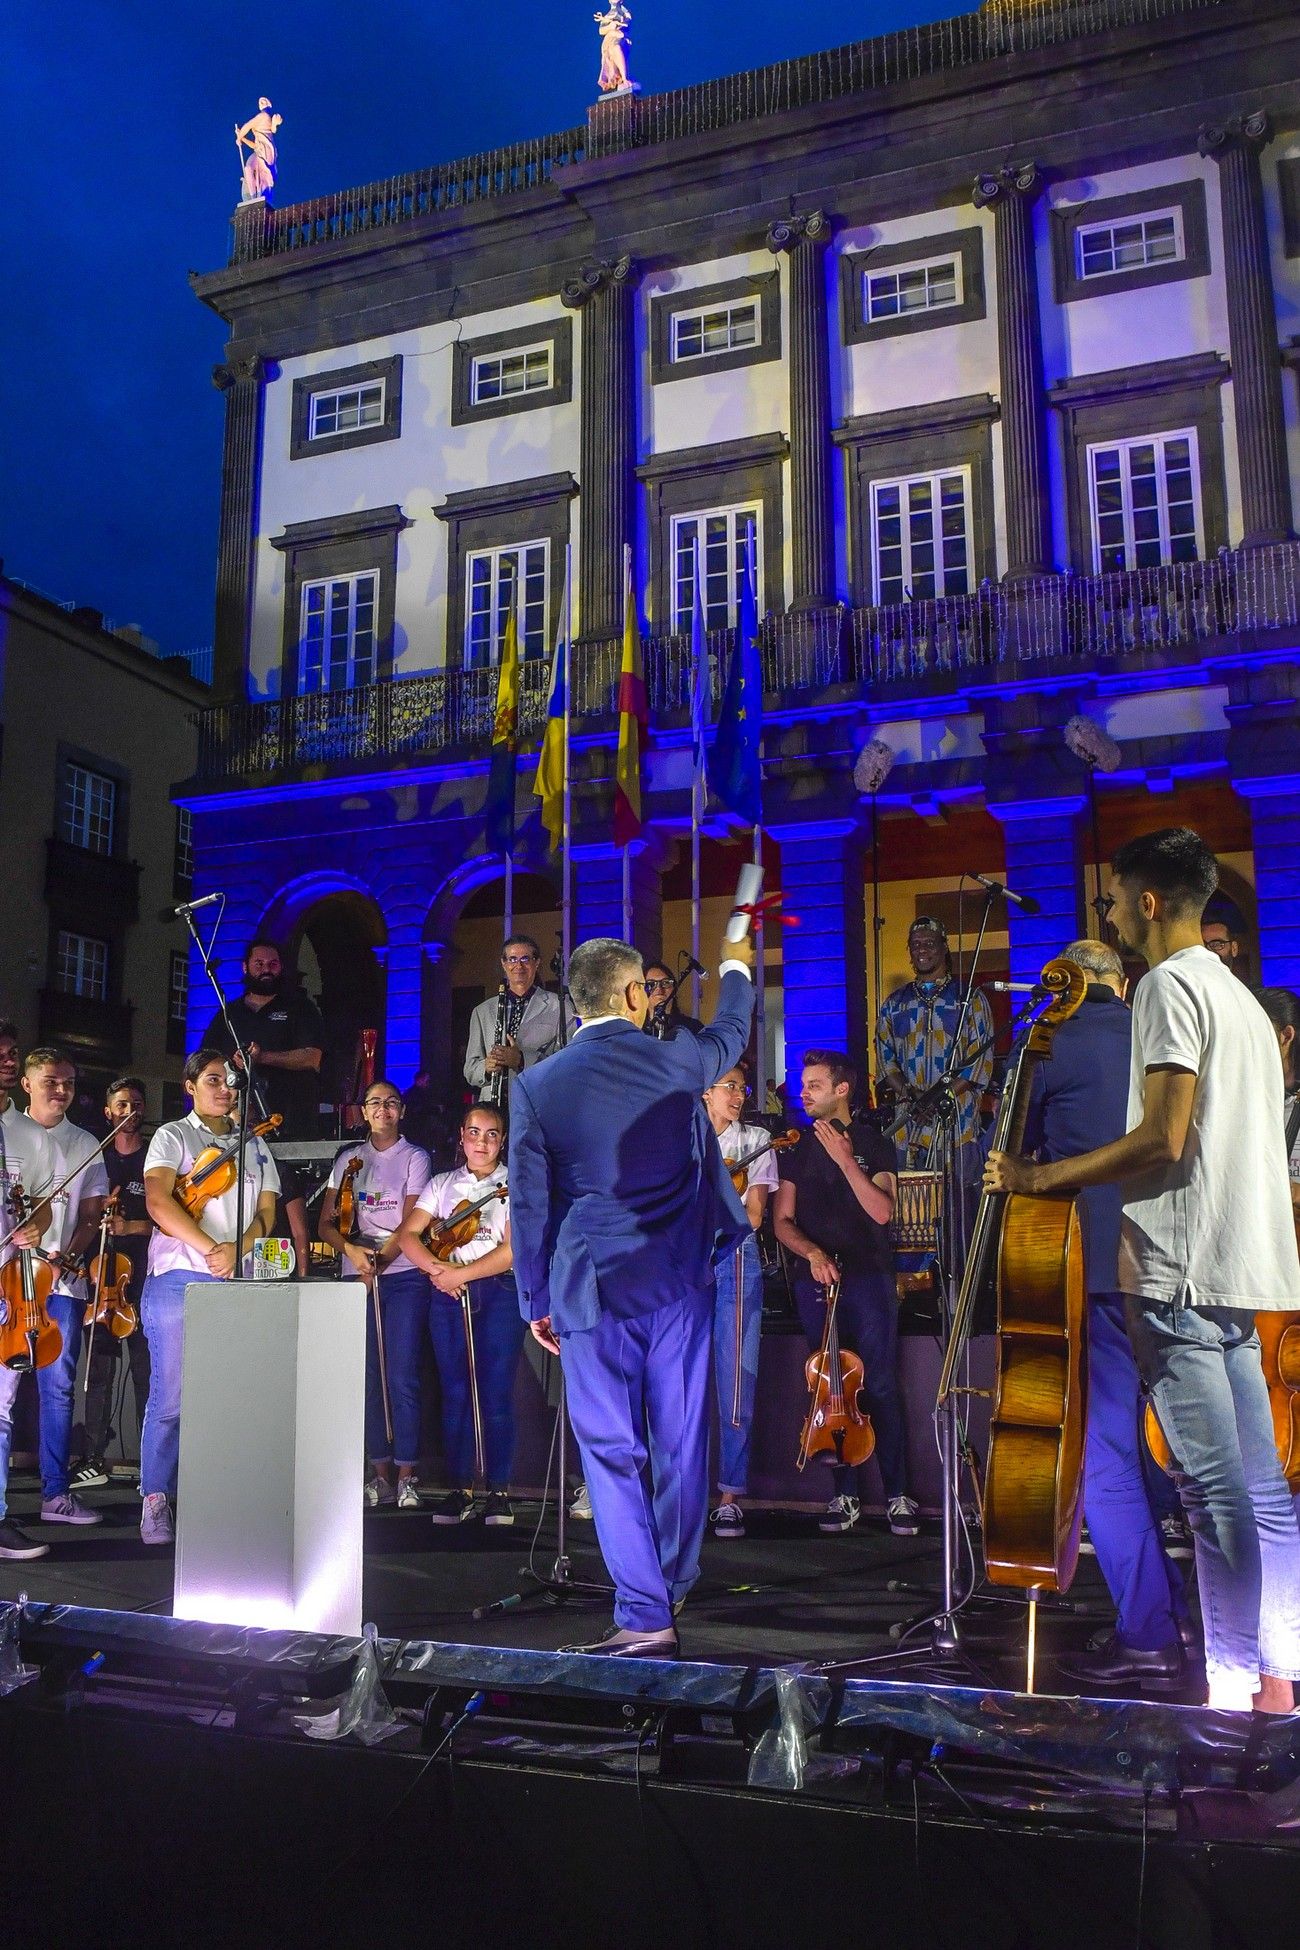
{"x": 1011, "y": 193}
{"x": 243, "y": 384}
{"x": 1037, "y": 789}
{"x": 824, "y": 958}
{"x": 605, "y": 294}
{"x": 403, "y": 962}
{"x": 804, "y": 240}
{"x": 598, "y": 895}
{"x": 1264, "y": 766}
{"x": 1252, "y": 329}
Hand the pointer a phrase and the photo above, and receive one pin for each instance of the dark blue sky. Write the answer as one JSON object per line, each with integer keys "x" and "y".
{"x": 121, "y": 175}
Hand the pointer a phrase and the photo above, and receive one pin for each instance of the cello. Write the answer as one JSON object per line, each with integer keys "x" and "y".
{"x": 29, "y": 1339}
{"x": 1032, "y": 1247}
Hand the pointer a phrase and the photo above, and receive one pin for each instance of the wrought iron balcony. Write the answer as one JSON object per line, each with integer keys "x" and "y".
{"x": 1186, "y": 612}
{"x": 99, "y": 1031}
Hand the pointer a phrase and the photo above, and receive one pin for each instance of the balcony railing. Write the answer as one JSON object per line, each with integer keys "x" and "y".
{"x": 893, "y": 650}
{"x": 99, "y": 1030}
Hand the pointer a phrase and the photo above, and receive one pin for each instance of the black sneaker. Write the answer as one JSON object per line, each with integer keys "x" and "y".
{"x": 840, "y": 1514}
{"x": 497, "y": 1510}
{"x": 455, "y": 1507}
{"x": 88, "y": 1475}
{"x": 14, "y": 1544}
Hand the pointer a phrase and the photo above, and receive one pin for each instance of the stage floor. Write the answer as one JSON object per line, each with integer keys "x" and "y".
{"x": 782, "y": 1594}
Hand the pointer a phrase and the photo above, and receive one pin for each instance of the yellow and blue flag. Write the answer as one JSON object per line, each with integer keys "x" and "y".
{"x": 499, "y": 805}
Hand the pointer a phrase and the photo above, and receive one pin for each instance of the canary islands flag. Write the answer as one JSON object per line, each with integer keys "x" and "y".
{"x": 552, "y": 760}
{"x": 632, "y": 720}
{"x": 499, "y": 807}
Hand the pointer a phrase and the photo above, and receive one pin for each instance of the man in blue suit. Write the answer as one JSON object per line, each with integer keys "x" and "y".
{"x": 618, "y": 1200}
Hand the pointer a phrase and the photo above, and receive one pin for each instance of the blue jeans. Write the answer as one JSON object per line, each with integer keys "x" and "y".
{"x": 737, "y": 1328}
{"x": 1123, "y": 1522}
{"x": 9, "y": 1379}
{"x": 162, "y": 1317}
{"x": 498, "y": 1336}
{"x": 404, "y": 1308}
{"x": 1203, "y": 1368}
{"x": 868, "y": 1323}
{"x": 638, "y": 1392}
{"x": 55, "y": 1386}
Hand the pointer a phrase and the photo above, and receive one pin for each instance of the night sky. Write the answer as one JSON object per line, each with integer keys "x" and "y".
{"x": 121, "y": 175}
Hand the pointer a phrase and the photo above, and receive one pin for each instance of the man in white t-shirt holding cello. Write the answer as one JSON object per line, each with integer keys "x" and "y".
{"x": 1206, "y": 1243}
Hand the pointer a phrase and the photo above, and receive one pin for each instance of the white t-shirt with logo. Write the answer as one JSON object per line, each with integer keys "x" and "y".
{"x": 449, "y": 1189}
{"x": 175, "y": 1147}
{"x": 26, "y": 1159}
{"x": 71, "y": 1147}
{"x": 382, "y": 1186}
{"x": 1215, "y": 1229}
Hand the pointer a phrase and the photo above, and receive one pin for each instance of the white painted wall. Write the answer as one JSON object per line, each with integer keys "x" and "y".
{"x": 431, "y": 459}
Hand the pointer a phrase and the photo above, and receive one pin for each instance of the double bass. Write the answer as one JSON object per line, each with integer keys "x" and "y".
{"x": 1031, "y": 1246}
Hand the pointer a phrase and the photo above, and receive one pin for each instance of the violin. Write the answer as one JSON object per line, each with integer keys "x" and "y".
{"x": 213, "y": 1172}
{"x": 740, "y": 1170}
{"x": 443, "y": 1237}
{"x": 835, "y": 1421}
{"x": 1032, "y": 1246}
{"x": 345, "y": 1199}
{"x": 28, "y": 1337}
{"x": 109, "y": 1273}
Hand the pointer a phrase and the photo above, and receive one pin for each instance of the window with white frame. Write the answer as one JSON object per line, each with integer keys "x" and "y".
{"x": 504, "y": 375}
{"x": 89, "y": 809}
{"x": 81, "y": 966}
{"x": 337, "y": 632}
{"x": 921, "y": 536}
{"x": 723, "y": 539}
{"x": 492, "y": 576}
{"x": 346, "y": 410}
{"x": 183, "y": 861}
{"x": 907, "y": 289}
{"x": 721, "y": 328}
{"x": 1133, "y": 244}
{"x": 1145, "y": 501}
{"x": 178, "y": 987}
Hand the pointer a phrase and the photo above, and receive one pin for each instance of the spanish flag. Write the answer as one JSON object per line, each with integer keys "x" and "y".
{"x": 499, "y": 806}
{"x": 553, "y": 759}
{"x": 632, "y": 720}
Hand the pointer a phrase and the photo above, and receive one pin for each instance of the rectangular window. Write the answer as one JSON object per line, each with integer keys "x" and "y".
{"x": 911, "y": 288}
{"x": 491, "y": 575}
{"x": 183, "y": 860}
{"x": 178, "y": 987}
{"x": 504, "y": 375}
{"x": 725, "y": 539}
{"x": 81, "y": 966}
{"x": 346, "y": 410}
{"x": 337, "y": 634}
{"x": 723, "y": 328}
{"x": 1132, "y": 245}
{"x": 921, "y": 537}
{"x": 89, "y": 809}
{"x": 1145, "y": 502}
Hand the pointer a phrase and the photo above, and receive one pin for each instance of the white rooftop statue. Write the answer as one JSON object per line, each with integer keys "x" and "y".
{"x": 614, "y": 38}
{"x": 258, "y": 136}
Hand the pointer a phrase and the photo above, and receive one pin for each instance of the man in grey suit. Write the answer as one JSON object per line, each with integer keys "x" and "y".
{"x": 618, "y": 1199}
{"x": 529, "y": 1019}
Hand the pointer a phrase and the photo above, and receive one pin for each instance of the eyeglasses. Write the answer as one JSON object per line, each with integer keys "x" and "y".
{"x": 518, "y": 961}
{"x": 653, "y": 988}
{"x": 736, "y": 1089}
{"x": 382, "y": 1103}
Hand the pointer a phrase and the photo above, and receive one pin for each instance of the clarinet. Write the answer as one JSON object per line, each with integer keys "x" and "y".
{"x": 496, "y": 1083}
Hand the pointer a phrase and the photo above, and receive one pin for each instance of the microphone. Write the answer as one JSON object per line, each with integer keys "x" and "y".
{"x": 1016, "y": 988}
{"x": 1025, "y": 902}
{"x": 191, "y": 907}
{"x": 693, "y": 968}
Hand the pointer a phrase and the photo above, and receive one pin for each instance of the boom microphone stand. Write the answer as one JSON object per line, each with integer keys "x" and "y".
{"x": 561, "y": 1587}
{"x": 243, "y": 1072}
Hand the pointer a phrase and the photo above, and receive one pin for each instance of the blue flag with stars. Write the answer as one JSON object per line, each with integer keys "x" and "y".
{"x": 733, "y": 764}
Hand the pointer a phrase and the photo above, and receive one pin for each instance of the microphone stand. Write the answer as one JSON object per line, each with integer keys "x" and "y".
{"x": 244, "y": 1084}
{"x": 561, "y": 1587}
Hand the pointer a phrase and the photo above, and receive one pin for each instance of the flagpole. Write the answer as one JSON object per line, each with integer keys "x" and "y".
{"x": 627, "y": 893}
{"x": 510, "y": 893}
{"x": 698, "y": 659}
{"x": 566, "y": 840}
{"x": 760, "y": 995}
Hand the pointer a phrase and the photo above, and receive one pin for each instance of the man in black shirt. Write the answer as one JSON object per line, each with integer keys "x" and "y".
{"x": 832, "y": 1213}
{"x": 282, "y": 1031}
{"x": 129, "y": 1233}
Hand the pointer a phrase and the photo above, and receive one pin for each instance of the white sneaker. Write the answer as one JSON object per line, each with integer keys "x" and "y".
{"x": 580, "y": 1506}
{"x": 408, "y": 1496}
{"x": 67, "y": 1509}
{"x": 841, "y": 1513}
{"x": 728, "y": 1520}
{"x": 379, "y": 1491}
{"x": 904, "y": 1516}
{"x": 156, "y": 1526}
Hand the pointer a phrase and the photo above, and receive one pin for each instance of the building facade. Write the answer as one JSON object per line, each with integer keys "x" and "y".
{"x": 980, "y": 340}
{"x": 96, "y": 731}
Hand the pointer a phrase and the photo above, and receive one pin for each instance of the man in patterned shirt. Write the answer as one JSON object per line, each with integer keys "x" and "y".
{"x": 914, "y": 1035}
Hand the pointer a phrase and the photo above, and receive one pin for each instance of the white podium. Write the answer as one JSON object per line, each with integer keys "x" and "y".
{"x": 272, "y": 1455}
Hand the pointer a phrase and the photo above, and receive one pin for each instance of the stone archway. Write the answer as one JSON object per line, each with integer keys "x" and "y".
{"x": 463, "y": 935}
{"x": 333, "y": 931}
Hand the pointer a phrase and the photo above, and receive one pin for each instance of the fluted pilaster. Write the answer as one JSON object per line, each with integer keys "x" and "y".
{"x": 1011, "y": 193}
{"x": 243, "y": 383}
{"x": 604, "y": 292}
{"x": 804, "y": 240}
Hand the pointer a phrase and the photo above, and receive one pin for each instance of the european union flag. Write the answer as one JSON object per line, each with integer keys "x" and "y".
{"x": 734, "y": 769}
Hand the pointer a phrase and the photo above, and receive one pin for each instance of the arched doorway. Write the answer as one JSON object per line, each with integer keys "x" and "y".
{"x": 468, "y": 918}
{"x": 333, "y": 933}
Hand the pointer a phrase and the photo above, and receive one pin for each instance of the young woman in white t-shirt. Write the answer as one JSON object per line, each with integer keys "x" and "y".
{"x": 474, "y": 1320}
{"x": 738, "y": 1308}
{"x": 393, "y": 1174}
{"x": 185, "y": 1250}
